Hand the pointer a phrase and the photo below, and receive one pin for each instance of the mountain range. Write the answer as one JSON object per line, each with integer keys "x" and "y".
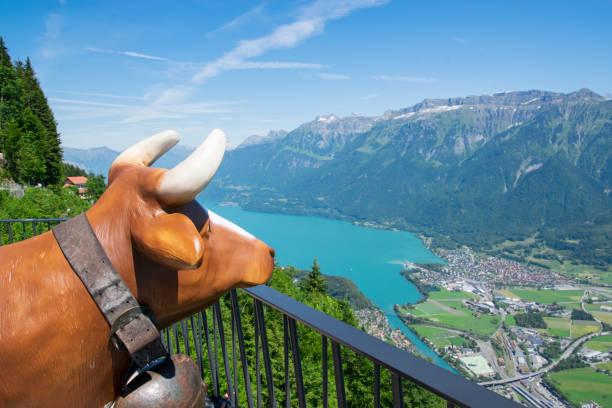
{"x": 530, "y": 166}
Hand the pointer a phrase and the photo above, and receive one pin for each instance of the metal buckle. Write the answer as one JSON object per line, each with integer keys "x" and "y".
{"x": 124, "y": 318}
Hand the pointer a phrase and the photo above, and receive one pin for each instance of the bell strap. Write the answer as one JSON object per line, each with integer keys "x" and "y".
{"x": 134, "y": 330}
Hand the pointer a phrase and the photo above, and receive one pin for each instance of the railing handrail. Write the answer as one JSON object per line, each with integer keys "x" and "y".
{"x": 455, "y": 388}
{"x": 34, "y": 220}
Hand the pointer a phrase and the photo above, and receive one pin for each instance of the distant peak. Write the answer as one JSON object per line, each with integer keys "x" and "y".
{"x": 327, "y": 118}
{"x": 585, "y": 93}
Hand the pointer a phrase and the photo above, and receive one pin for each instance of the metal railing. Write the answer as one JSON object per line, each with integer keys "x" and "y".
{"x": 19, "y": 229}
{"x": 231, "y": 358}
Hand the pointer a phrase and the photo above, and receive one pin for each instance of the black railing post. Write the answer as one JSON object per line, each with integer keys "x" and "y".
{"x": 286, "y": 353}
{"x": 398, "y": 395}
{"x": 376, "y": 386}
{"x": 243, "y": 356}
{"x": 185, "y": 333}
{"x": 213, "y": 367}
{"x": 177, "y": 342}
{"x": 228, "y": 370}
{"x": 324, "y": 370}
{"x": 259, "y": 315}
{"x": 257, "y": 363}
{"x": 297, "y": 364}
{"x": 338, "y": 375}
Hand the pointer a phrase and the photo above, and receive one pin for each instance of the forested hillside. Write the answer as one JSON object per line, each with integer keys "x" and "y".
{"x": 357, "y": 370}
{"x": 29, "y": 141}
{"x": 533, "y": 166}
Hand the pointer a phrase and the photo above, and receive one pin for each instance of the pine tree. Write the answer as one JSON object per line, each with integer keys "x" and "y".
{"x": 29, "y": 139}
{"x": 314, "y": 283}
{"x": 36, "y": 101}
{"x": 10, "y": 94}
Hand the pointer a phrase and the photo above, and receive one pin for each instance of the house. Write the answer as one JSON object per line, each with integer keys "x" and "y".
{"x": 79, "y": 182}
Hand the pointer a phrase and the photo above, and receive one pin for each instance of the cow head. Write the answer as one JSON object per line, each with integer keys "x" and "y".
{"x": 173, "y": 254}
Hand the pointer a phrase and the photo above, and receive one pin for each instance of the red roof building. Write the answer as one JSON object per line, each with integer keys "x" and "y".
{"x": 79, "y": 182}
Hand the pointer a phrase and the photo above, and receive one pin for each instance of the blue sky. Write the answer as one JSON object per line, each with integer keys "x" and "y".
{"x": 117, "y": 71}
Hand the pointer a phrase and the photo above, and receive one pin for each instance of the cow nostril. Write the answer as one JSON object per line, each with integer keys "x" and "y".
{"x": 272, "y": 252}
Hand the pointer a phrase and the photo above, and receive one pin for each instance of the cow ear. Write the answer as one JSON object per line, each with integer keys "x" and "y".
{"x": 169, "y": 239}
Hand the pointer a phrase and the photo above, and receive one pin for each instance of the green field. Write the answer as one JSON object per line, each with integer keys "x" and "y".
{"x": 600, "y": 343}
{"x": 445, "y": 294}
{"x": 596, "y": 307}
{"x": 584, "y": 384}
{"x": 510, "y": 320}
{"x": 581, "y": 327}
{"x": 454, "y": 315}
{"x": 440, "y": 337}
{"x": 545, "y": 296}
{"x": 558, "y": 326}
{"x": 605, "y": 366}
{"x": 604, "y": 316}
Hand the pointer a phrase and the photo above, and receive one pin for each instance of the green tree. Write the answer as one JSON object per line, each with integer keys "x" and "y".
{"x": 95, "y": 186}
{"x": 36, "y": 101}
{"x": 28, "y": 132}
{"x": 314, "y": 283}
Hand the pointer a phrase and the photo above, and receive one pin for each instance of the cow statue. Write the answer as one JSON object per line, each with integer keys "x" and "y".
{"x": 174, "y": 256}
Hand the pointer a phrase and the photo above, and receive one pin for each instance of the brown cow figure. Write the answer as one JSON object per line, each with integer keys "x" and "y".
{"x": 54, "y": 341}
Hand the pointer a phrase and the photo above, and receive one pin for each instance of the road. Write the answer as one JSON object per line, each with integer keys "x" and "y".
{"x": 568, "y": 351}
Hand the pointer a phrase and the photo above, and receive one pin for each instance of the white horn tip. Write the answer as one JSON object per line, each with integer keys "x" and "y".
{"x": 217, "y": 136}
{"x": 145, "y": 152}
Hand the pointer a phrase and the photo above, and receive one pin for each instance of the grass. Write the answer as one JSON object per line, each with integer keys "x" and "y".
{"x": 600, "y": 343}
{"x": 605, "y": 366}
{"x": 547, "y": 296}
{"x": 429, "y": 308}
{"x": 581, "y": 327}
{"x": 510, "y": 321}
{"x": 465, "y": 321}
{"x": 445, "y": 294}
{"x": 584, "y": 384}
{"x": 604, "y": 316}
{"x": 558, "y": 326}
{"x": 440, "y": 337}
{"x": 596, "y": 307}
{"x": 506, "y": 293}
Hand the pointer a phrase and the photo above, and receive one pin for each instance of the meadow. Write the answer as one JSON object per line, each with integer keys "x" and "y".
{"x": 544, "y": 296}
{"x": 440, "y": 337}
{"x": 580, "y": 385}
{"x": 600, "y": 343}
{"x": 446, "y": 309}
{"x": 565, "y": 327}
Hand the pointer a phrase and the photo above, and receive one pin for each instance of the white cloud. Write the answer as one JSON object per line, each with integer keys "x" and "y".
{"x": 128, "y": 53}
{"x": 145, "y": 56}
{"x": 400, "y": 78}
{"x": 94, "y": 94}
{"x": 92, "y": 103}
{"x": 53, "y": 26}
{"x": 162, "y": 104}
{"x": 371, "y": 96}
{"x": 333, "y": 77}
{"x": 311, "y": 22}
{"x": 280, "y": 65}
{"x": 243, "y": 18}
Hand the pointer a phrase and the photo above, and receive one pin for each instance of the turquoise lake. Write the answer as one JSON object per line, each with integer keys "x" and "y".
{"x": 372, "y": 258}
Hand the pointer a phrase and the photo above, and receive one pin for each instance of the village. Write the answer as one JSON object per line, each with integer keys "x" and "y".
{"x": 511, "y": 327}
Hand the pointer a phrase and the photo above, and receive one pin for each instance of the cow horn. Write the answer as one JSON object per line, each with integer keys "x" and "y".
{"x": 145, "y": 152}
{"x": 188, "y": 178}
